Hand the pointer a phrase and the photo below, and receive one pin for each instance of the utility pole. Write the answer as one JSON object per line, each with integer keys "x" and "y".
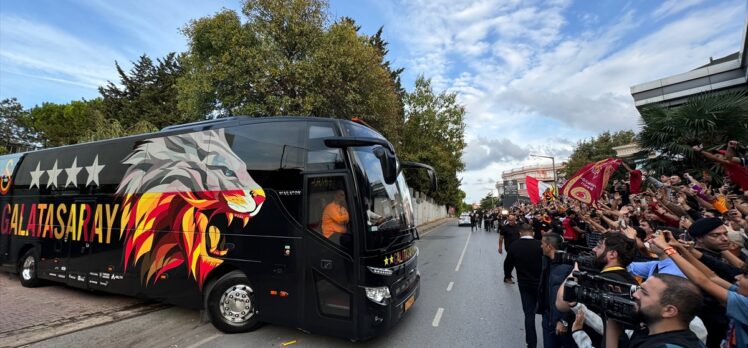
{"x": 553, "y": 165}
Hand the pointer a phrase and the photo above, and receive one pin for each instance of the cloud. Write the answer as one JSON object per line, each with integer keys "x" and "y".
{"x": 481, "y": 152}
{"x": 36, "y": 49}
{"x": 672, "y": 7}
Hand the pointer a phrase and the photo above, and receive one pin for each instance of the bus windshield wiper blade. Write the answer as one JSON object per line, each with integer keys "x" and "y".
{"x": 394, "y": 239}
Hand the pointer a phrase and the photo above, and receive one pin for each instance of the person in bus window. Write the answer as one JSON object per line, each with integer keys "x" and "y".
{"x": 335, "y": 216}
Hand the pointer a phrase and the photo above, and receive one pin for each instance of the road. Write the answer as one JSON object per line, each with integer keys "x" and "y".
{"x": 463, "y": 303}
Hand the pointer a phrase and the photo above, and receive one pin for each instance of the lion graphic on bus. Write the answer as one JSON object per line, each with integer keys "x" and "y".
{"x": 172, "y": 189}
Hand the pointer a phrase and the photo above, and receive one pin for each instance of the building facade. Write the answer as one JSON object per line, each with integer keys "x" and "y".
{"x": 721, "y": 74}
{"x": 513, "y": 180}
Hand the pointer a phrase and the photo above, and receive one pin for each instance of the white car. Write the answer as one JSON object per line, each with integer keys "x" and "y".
{"x": 464, "y": 220}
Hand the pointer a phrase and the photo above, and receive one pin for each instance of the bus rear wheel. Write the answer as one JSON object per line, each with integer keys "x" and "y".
{"x": 232, "y": 305}
{"x": 27, "y": 270}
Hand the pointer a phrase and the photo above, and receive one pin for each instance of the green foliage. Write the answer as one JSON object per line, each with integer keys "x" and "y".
{"x": 108, "y": 129}
{"x": 14, "y": 136}
{"x": 434, "y": 134}
{"x": 63, "y": 124}
{"x": 3, "y": 150}
{"x": 489, "y": 201}
{"x": 711, "y": 119}
{"x": 79, "y": 121}
{"x": 148, "y": 93}
{"x": 281, "y": 59}
{"x": 600, "y": 148}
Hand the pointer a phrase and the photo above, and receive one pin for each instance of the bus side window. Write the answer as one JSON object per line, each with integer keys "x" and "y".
{"x": 328, "y": 209}
{"x": 320, "y": 157}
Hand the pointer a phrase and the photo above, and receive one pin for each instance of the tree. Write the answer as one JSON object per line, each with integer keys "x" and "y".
{"x": 489, "y": 201}
{"x": 60, "y": 124}
{"x": 709, "y": 119}
{"x": 148, "y": 93}
{"x": 13, "y": 135}
{"x": 279, "y": 58}
{"x": 588, "y": 151}
{"x": 434, "y": 134}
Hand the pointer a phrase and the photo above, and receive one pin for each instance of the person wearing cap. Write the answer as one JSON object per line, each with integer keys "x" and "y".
{"x": 711, "y": 239}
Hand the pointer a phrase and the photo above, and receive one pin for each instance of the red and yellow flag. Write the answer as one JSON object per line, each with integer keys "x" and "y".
{"x": 587, "y": 184}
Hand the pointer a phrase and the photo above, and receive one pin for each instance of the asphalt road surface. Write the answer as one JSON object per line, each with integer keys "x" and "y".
{"x": 463, "y": 303}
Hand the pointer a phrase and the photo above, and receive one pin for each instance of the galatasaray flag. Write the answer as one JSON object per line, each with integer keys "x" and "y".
{"x": 535, "y": 189}
{"x": 588, "y": 183}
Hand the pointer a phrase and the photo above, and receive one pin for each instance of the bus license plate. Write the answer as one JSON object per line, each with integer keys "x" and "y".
{"x": 409, "y": 303}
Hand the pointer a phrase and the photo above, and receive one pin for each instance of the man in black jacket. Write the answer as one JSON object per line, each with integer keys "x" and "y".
{"x": 526, "y": 255}
{"x": 667, "y": 304}
{"x": 508, "y": 234}
{"x": 556, "y": 331}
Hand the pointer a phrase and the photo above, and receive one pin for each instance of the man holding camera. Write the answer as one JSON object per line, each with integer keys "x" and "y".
{"x": 556, "y": 331}
{"x": 612, "y": 254}
{"x": 526, "y": 255}
{"x": 667, "y": 304}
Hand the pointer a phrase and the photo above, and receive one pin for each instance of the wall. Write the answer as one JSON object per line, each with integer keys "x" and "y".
{"x": 425, "y": 210}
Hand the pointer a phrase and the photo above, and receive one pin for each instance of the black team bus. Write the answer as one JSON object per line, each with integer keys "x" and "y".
{"x": 301, "y": 222}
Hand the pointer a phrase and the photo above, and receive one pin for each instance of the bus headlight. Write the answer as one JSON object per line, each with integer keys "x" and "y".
{"x": 378, "y": 295}
{"x": 380, "y": 271}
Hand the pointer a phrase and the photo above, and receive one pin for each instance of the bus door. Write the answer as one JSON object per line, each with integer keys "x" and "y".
{"x": 8, "y": 166}
{"x": 77, "y": 258}
{"x": 329, "y": 268}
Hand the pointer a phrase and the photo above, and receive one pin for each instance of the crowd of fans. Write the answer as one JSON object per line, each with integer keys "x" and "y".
{"x": 674, "y": 247}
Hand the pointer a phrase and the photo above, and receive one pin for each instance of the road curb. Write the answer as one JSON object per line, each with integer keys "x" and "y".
{"x": 39, "y": 333}
{"x": 431, "y": 226}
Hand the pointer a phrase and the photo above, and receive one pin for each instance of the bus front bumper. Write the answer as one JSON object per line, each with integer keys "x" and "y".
{"x": 380, "y": 318}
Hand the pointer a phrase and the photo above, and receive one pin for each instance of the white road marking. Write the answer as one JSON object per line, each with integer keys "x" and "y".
{"x": 438, "y": 317}
{"x": 463, "y": 253}
{"x": 204, "y": 341}
{"x": 449, "y": 287}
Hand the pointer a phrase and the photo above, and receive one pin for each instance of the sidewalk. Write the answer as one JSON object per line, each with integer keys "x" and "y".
{"x": 426, "y": 228}
{"x": 31, "y": 315}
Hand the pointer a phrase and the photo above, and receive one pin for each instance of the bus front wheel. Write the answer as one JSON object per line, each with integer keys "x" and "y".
{"x": 27, "y": 269}
{"x": 232, "y": 305}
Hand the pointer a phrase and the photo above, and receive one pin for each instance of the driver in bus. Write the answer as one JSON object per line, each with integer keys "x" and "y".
{"x": 373, "y": 219}
{"x": 335, "y": 216}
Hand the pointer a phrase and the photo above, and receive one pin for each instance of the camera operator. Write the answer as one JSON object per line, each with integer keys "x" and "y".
{"x": 667, "y": 304}
{"x": 555, "y": 323}
{"x": 613, "y": 254}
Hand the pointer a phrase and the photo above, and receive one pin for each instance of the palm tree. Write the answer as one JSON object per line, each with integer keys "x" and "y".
{"x": 709, "y": 119}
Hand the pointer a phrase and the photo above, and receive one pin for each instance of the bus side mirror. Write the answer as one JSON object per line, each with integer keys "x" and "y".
{"x": 388, "y": 161}
{"x": 433, "y": 181}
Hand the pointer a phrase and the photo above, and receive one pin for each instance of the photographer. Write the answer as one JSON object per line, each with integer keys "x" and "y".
{"x": 613, "y": 253}
{"x": 733, "y": 296}
{"x": 555, "y": 323}
{"x": 667, "y": 304}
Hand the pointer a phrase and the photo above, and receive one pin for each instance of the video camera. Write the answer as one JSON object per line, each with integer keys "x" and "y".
{"x": 602, "y": 295}
{"x": 583, "y": 256}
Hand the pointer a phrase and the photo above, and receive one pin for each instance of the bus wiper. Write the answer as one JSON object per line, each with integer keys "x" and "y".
{"x": 394, "y": 240}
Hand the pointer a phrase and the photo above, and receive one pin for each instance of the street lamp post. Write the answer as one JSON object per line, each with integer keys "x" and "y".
{"x": 553, "y": 164}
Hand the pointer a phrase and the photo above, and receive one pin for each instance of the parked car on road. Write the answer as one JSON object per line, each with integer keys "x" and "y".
{"x": 464, "y": 219}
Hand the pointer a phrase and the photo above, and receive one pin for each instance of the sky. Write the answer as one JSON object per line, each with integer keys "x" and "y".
{"x": 535, "y": 77}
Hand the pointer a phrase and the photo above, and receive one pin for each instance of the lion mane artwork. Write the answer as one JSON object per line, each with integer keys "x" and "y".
{"x": 587, "y": 184}
{"x": 171, "y": 190}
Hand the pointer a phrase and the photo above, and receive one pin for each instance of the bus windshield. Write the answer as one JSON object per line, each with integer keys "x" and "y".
{"x": 388, "y": 207}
